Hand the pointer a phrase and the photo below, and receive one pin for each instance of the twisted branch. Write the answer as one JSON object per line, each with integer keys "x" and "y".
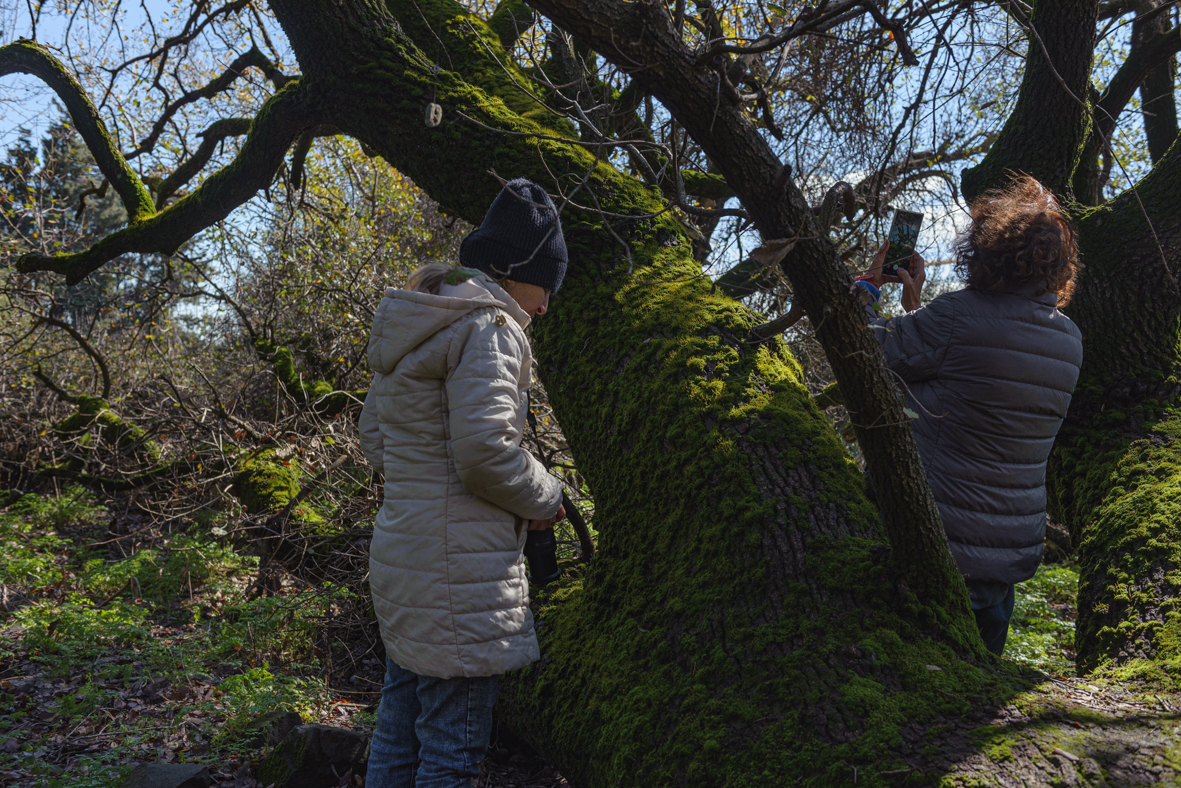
{"x": 88, "y": 348}
{"x": 210, "y": 139}
{"x": 254, "y": 57}
{"x": 811, "y": 24}
{"x": 27, "y": 57}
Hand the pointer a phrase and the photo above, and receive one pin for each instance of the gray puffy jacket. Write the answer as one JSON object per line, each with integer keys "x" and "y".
{"x": 990, "y": 375}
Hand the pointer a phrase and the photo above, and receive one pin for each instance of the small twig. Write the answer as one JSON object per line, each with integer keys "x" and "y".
{"x": 87, "y": 348}
{"x": 779, "y": 324}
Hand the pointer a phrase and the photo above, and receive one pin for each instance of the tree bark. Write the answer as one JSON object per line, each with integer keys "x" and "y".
{"x": 748, "y": 617}
{"x": 1113, "y": 476}
{"x": 741, "y": 614}
{"x": 1149, "y": 66}
{"x": 1044, "y": 134}
{"x": 1156, "y": 92}
{"x": 656, "y": 57}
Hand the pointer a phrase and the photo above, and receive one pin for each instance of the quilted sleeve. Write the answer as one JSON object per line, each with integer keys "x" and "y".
{"x": 483, "y": 368}
{"x": 370, "y": 432}
{"x": 915, "y": 344}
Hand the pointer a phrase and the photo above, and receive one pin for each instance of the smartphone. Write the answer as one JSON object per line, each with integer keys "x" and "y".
{"x": 904, "y": 235}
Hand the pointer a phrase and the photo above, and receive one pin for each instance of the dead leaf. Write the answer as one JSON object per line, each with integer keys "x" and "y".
{"x": 773, "y": 251}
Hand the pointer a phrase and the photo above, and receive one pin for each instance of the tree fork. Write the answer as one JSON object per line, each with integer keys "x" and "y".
{"x": 821, "y": 282}
{"x": 719, "y": 627}
{"x": 1044, "y": 134}
{"x": 280, "y": 121}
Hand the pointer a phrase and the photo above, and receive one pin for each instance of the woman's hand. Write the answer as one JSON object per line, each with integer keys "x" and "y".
{"x": 912, "y": 283}
{"x": 541, "y": 525}
{"x": 912, "y": 280}
{"x": 876, "y": 277}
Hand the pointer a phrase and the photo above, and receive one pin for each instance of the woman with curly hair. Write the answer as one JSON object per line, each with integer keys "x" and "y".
{"x": 990, "y": 370}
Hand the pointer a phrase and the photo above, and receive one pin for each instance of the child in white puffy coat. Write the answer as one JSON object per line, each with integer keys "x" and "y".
{"x": 443, "y": 421}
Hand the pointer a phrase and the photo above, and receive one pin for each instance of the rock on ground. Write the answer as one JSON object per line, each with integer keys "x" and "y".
{"x": 314, "y": 756}
{"x": 168, "y": 775}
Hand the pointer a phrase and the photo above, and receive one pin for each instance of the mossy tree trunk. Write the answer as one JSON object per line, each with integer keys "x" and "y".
{"x": 1115, "y": 474}
{"x": 1115, "y": 478}
{"x": 742, "y": 618}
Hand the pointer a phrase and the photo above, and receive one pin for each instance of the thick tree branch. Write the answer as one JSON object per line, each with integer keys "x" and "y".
{"x": 1043, "y": 135}
{"x": 1157, "y": 101}
{"x": 654, "y": 55}
{"x": 27, "y": 57}
{"x": 303, "y": 146}
{"x": 1144, "y": 57}
{"x": 1147, "y": 53}
{"x": 276, "y": 126}
{"x": 510, "y": 20}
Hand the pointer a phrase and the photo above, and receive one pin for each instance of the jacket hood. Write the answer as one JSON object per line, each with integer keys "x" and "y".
{"x": 407, "y": 318}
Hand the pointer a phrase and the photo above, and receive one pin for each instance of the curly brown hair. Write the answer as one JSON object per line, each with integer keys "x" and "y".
{"x": 1019, "y": 235}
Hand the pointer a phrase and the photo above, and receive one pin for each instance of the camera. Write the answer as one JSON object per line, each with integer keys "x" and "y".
{"x": 541, "y": 551}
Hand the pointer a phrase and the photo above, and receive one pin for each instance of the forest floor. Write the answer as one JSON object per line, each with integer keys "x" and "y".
{"x": 120, "y": 644}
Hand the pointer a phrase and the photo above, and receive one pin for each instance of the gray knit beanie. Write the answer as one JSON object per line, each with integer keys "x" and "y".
{"x": 522, "y": 225}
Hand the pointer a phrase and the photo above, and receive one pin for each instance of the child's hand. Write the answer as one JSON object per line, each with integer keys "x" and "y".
{"x": 541, "y": 525}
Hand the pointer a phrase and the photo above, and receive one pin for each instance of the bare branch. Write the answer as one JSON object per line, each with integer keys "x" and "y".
{"x": 88, "y": 348}
{"x": 807, "y": 23}
{"x": 210, "y": 139}
{"x": 254, "y": 57}
{"x": 278, "y": 123}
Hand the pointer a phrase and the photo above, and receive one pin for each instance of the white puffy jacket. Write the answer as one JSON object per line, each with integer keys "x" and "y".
{"x": 444, "y": 419}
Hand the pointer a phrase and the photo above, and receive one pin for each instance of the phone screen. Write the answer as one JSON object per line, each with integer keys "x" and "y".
{"x": 904, "y": 235}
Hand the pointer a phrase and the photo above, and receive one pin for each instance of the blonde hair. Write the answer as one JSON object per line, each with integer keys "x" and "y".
{"x": 429, "y": 278}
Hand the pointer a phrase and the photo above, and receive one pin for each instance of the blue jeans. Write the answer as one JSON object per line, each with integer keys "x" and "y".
{"x": 992, "y": 604}
{"x": 430, "y": 733}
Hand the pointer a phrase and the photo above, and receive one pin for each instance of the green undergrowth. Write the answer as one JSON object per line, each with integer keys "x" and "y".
{"x": 165, "y": 651}
{"x": 1041, "y": 632}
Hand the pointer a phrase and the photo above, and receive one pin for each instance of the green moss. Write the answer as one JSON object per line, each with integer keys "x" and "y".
{"x": 1125, "y": 505}
{"x": 739, "y": 624}
{"x": 665, "y": 663}
{"x": 461, "y": 42}
{"x": 265, "y": 484}
{"x": 510, "y": 19}
{"x": 124, "y": 437}
{"x": 320, "y": 394}
{"x": 283, "y": 762}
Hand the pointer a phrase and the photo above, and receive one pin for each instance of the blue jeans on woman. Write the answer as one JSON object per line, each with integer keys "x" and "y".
{"x": 430, "y": 733}
{"x": 992, "y": 604}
